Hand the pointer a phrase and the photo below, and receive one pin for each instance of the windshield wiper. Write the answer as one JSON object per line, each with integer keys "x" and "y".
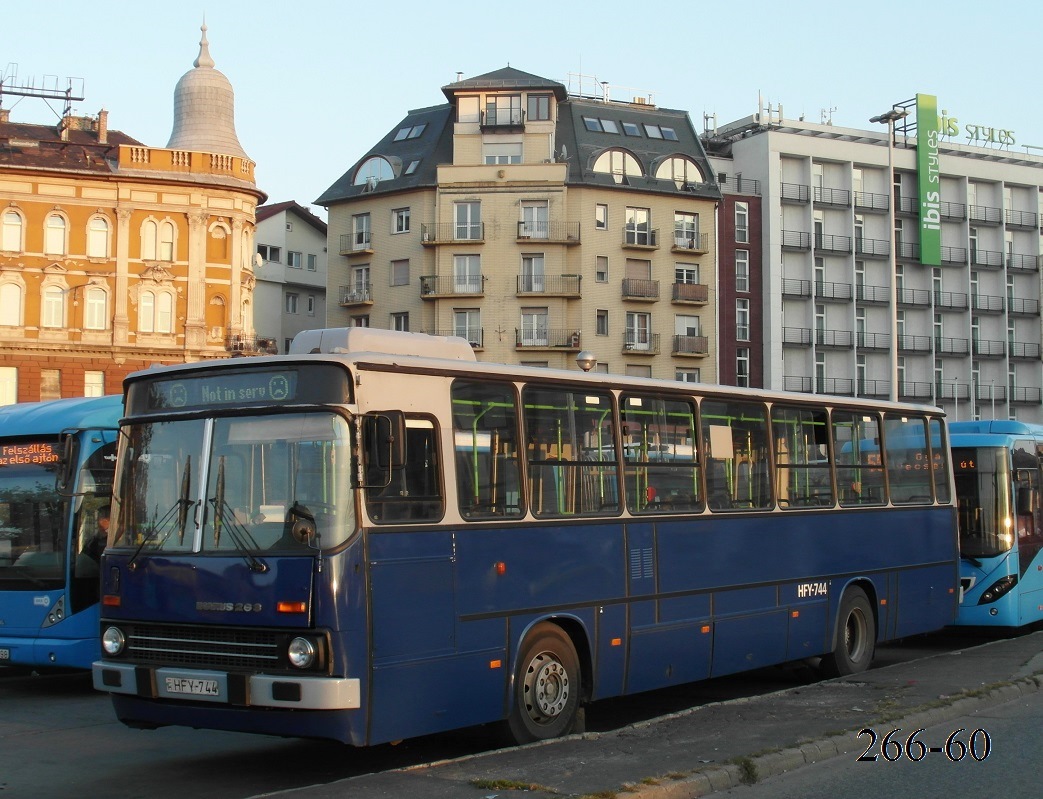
{"x": 181, "y": 508}
{"x": 244, "y": 542}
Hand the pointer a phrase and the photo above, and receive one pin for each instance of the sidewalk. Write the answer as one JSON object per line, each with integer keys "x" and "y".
{"x": 722, "y": 745}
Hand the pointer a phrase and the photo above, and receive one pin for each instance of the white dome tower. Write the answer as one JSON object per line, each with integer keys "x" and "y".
{"x": 204, "y": 109}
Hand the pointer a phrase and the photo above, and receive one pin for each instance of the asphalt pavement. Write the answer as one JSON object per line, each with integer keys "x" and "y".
{"x": 726, "y": 744}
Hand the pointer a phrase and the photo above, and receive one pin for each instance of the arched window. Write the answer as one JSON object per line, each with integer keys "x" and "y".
{"x": 155, "y": 312}
{"x": 11, "y": 304}
{"x": 54, "y": 235}
{"x": 11, "y": 231}
{"x": 620, "y": 164}
{"x": 95, "y": 310}
{"x": 52, "y": 309}
{"x": 98, "y": 237}
{"x": 680, "y": 170}
{"x": 149, "y": 235}
{"x": 374, "y": 170}
{"x": 165, "y": 250}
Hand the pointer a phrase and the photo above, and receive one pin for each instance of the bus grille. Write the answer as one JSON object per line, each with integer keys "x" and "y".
{"x": 249, "y": 649}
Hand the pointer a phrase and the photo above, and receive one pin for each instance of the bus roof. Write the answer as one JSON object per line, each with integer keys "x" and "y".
{"x": 991, "y": 431}
{"x": 391, "y": 342}
{"x": 53, "y": 416}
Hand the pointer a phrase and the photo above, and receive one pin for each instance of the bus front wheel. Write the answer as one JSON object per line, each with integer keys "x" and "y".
{"x": 855, "y": 636}
{"x": 546, "y": 687}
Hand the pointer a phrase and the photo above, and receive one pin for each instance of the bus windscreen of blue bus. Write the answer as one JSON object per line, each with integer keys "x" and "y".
{"x": 31, "y": 551}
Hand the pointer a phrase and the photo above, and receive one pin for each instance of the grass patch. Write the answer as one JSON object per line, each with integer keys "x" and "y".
{"x": 508, "y": 785}
{"x": 747, "y": 770}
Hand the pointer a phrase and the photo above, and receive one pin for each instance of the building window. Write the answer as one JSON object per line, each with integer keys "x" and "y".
{"x": 686, "y": 273}
{"x": 400, "y": 220}
{"x": 687, "y": 325}
{"x": 742, "y": 270}
{"x": 535, "y": 220}
{"x": 400, "y": 272}
{"x": 468, "y": 221}
{"x": 50, "y": 384}
{"x": 412, "y": 166}
{"x": 93, "y": 384}
{"x": 360, "y": 282}
{"x": 637, "y": 226}
{"x": 52, "y": 311}
{"x": 742, "y": 367}
{"x": 310, "y": 304}
{"x": 157, "y": 240}
{"x": 8, "y": 385}
{"x": 601, "y": 217}
{"x": 467, "y": 274}
{"x": 686, "y": 375}
{"x": 638, "y": 370}
{"x": 400, "y": 321}
{"x": 98, "y": 238}
{"x": 742, "y": 320}
{"x": 631, "y": 129}
{"x": 601, "y": 269}
{"x": 502, "y": 153}
{"x": 54, "y": 235}
{"x": 11, "y": 232}
{"x": 286, "y": 343}
{"x": 410, "y": 132}
{"x": 619, "y": 164}
{"x": 638, "y": 331}
{"x": 11, "y": 304}
{"x": 742, "y": 222}
{"x": 682, "y": 171}
{"x": 601, "y": 323}
{"x": 533, "y": 274}
{"x": 360, "y": 321}
{"x": 467, "y": 323}
{"x": 292, "y": 301}
{"x": 313, "y": 262}
{"x": 503, "y": 109}
{"x": 686, "y": 230}
{"x": 95, "y": 309}
{"x": 155, "y": 312}
{"x": 374, "y": 170}
{"x": 360, "y": 231}
{"x": 294, "y": 260}
{"x": 269, "y": 253}
{"x": 534, "y": 327}
{"x": 538, "y": 106}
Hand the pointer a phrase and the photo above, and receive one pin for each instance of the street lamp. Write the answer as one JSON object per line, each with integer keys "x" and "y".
{"x": 889, "y": 118}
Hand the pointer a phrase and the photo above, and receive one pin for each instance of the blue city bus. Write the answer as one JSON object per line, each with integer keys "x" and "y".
{"x": 57, "y": 459}
{"x": 376, "y": 537}
{"x": 997, "y": 465}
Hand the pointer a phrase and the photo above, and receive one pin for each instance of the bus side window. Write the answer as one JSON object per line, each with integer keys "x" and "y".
{"x": 907, "y": 459}
{"x": 661, "y": 473}
{"x": 738, "y": 469}
{"x": 412, "y": 493}
{"x": 802, "y": 459}
{"x": 859, "y": 470}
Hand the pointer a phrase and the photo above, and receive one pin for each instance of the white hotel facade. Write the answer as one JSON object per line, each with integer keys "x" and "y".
{"x": 853, "y": 304}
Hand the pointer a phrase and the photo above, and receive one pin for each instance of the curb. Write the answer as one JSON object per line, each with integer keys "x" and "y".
{"x": 751, "y": 770}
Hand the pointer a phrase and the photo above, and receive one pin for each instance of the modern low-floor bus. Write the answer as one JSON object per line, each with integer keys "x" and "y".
{"x": 997, "y": 466}
{"x": 57, "y": 459}
{"x": 376, "y": 537}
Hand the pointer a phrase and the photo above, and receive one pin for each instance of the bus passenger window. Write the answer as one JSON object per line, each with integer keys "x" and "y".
{"x": 485, "y": 442}
{"x": 803, "y": 477}
{"x": 907, "y": 459}
{"x": 661, "y": 469}
{"x": 413, "y": 492}
{"x": 859, "y": 469}
{"x": 737, "y": 458}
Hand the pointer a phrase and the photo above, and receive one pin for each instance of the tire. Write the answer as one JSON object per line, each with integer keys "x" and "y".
{"x": 547, "y": 687}
{"x": 855, "y": 636}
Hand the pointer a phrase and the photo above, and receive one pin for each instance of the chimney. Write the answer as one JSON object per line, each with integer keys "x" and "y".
{"x": 103, "y": 127}
{"x": 5, "y": 116}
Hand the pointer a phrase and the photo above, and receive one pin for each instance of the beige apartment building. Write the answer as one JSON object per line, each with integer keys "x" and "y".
{"x": 536, "y": 223}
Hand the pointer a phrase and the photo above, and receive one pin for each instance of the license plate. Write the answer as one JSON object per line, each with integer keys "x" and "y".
{"x": 185, "y": 685}
{"x": 5, "y": 654}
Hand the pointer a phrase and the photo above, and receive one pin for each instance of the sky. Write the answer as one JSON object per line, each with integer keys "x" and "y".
{"x": 318, "y": 83}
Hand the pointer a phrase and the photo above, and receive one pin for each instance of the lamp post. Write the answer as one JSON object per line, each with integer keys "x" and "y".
{"x": 889, "y": 118}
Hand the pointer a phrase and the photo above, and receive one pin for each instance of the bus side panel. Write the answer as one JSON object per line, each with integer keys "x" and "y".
{"x": 926, "y": 600}
{"x": 612, "y": 651}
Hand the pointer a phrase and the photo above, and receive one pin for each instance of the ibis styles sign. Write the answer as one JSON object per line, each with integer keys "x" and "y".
{"x": 929, "y": 173}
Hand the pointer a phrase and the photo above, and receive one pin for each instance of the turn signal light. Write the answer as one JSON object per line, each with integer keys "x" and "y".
{"x": 291, "y": 607}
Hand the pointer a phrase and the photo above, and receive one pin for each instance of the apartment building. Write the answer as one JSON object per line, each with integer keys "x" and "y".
{"x": 537, "y": 223}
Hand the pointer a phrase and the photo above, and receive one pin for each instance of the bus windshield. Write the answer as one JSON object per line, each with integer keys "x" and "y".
{"x": 246, "y": 484}
{"x": 31, "y": 546}
{"x": 984, "y": 502}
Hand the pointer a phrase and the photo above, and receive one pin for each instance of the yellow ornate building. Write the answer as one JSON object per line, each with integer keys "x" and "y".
{"x": 114, "y": 255}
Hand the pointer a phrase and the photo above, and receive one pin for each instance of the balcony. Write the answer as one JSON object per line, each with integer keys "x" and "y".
{"x": 502, "y": 120}
{"x": 691, "y": 346}
{"x": 796, "y": 336}
{"x": 433, "y": 287}
{"x": 640, "y": 290}
{"x": 907, "y": 251}
{"x": 989, "y": 258}
{"x": 550, "y": 232}
{"x": 828, "y": 242}
{"x": 953, "y": 212}
{"x": 796, "y": 193}
{"x": 357, "y": 243}
{"x": 952, "y": 391}
{"x": 691, "y": 243}
{"x": 954, "y": 255}
{"x": 990, "y": 392}
{"x": 474, "y": 335}
{"x": 1024, "y": 351}
{"x": 837, "y": 386}
{"x": 792, "y": 287}
{"x": 355, "y": 295}
{"x": 1025, "y": 395}
{"x": 1024, "y": 306}
{"x": 796, "y": 240}
{"x": 950, "y": 301}
{"x": 984, "y": 348}
{"x": 985, "y": 214}
{"x": 872, "y": 248}
{"x": 840, "y": 292}
{"x": 549, "y": 286}
{"x": 796, "y": 383}
{"x": 907, "y": 206}
{"x": 241, "y": 346}
{"x": 914, "y": 343}
{"x": 915, "y": 391}
{"x": 834, "y": 339}
{"x": 872, "y": 295}
{"x": 433, "y": 234}
{"x": 878, "y": 342}
{"x": 873, "y": 389}
{"x": 1022, "y": 263}
{"x": 838, "y": 198}
{"x": 913, "y": 298}
{"x": 868, "y": 201}
{"x": 639, "y": 239}
{"x": 690, "y": 293}
{"x": 944, "y": 345}
{"x": 987, "y": 303}
{"x": 547, "y": 339}
{"x": 1021, "y": 219}
{"x": 636, "y": 342}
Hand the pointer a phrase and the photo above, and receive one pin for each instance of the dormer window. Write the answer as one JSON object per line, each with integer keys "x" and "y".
{"x": 618, "y": 163}
{"x": 680, "y": 170}
{"x": 374, "y": 170}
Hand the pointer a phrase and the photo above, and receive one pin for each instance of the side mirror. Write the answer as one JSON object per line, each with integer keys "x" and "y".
{"x": 386, "y": 431}
{"x": 65, "y": 476}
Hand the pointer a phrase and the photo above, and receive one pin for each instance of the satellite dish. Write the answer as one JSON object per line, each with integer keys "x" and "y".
{"x": 564, "y": 155}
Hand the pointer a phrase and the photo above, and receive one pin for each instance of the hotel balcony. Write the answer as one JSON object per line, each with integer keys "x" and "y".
{"x": 354, "y": 295}
{"x": 502, "y": 120}
{"x": 954, "y": 255}
{"x": 953, "y": 212}
{"x": 1022, "y": 263}
{"x": 640, "y": 290}
{"x": 950, "y": 301}
{"x": 549, "y": 286}
{"x": 796, "y": 336}
{"x": 868, "y": 201}
{"x": 914, "y": 344}
{"x": 835, "y": 292}
{"x": 984, "y": 348}
{"x": 913, "y": 298}
{"x": 985, "y": 214}
{"x": 907, "y": 206}
{"x": 872, "y": 248}
{"x": 690, "y": 293}
{"x": 915, "y": 391}
{"x": 880, "y": 342}
{"x": 834, "y": 339}
{"x": 872, "y": 295}
{"x": 691, "y": 346}
{"x": 796, "y": 193}
{"x": 838, "y": 198}
{"x": 946, "y": 345}
{"x": 567, "y": 339}
{"x": 1024, "y": 351}
{"x": 1024, "y": 307}
{"x": 1025, "y": 395}
{"x": 433, "y": 287}
{"x": 988, "y": 258}
{"x": 1021, "y": 219}
{"x": 796, "y": 240}
{"x": 828, "y": 242}
{"x": 550, "y": 232}
{"x": 987, "y": 303}
{"x": 792, "y": 287}
{"x": 907, "y": 251}
{"x": 433, "y": 234}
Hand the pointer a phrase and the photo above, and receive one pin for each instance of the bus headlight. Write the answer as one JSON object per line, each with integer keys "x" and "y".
{"x": 113, "y": 641}
{"x": 302, "y": 653}
{"x": 998, "y": 589}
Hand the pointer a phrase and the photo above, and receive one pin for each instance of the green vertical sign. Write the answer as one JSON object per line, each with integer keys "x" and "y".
{"x": 929, "y": 175}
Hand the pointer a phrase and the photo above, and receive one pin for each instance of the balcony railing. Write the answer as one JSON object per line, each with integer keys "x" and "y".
{"x": 690, "y": 292}
{"x": 915, "y": 390}
{"x": 637, "y": 342}
{"x": 825, "y": 290}
{"x": 875, "y": 295}
{"x": 907, "y": 206}
{"x": 907, "y": 251}
{"x": 635, "y": 289}
{"x": 873, "y": 341}
{"x": 691, "y": 345}
{"x": 696, "y": 243}
{"x": 989, "y": 349}
{"x": 1024, "y": 350}
{"x": 1022, "y": 219}
{"x": 829, "y": 242}
{"x": 547, "y": 338}
{"x": 952, "y": 391}
{"x": 553, "y": 232}
{"x": 987, "y": 303}
{"x": 799, "y": 336}
{"x": 357, "y": 242}
{"x": 355, "y": 295}
{"x": 868, "y": 201}
{"x": 920, "y": 298}
{"x": 640, "y": 239}
{"x": 914, "y": 343}
{"x": 796, "y": 240}
{"x": 1025, "y": 395}
{"x": 1024, "y": 306}
{"x": 1022, "y": 263}
{"x": 432, "y": 286}
{"x": 792, "y": 287}
{"x": 836, "y": 197}
{"x": 550, "y": 285}
{"x": 945, "y": 345}
{"x": 796, "y": 193}
{"x": 951, "y": 300}
{"x": 990, "y": 392}
{"x": 474, "y": 335}
{"x": 872, "y": 248}
{"x": 449, "y": 233}
{"x": 991, "y": 258}
{"x": 835, "y": 339}
{"x": 952, "y": 212}
{"x": 954, "y": 255}
{"x": 876, "y": 389}
{"x": 502, "y": 119}
{"x": 985, "y": 214}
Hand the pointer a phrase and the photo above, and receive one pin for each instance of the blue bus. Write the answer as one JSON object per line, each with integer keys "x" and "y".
{"x": 1000, "y": 509}
{"x": 376, "y": 537}
{"x": 57, "y": 459}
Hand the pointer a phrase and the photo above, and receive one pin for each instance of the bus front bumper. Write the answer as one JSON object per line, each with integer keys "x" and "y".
{"x": 245, "y": 690}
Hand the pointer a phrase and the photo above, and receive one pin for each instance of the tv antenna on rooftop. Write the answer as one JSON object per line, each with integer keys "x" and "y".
{"x": 50, "y": 87}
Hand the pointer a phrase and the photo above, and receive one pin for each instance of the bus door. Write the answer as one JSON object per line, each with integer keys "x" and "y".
{"x": 1028, "y": 520}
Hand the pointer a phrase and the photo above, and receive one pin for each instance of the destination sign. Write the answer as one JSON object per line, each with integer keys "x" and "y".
{"x": 29, "y": 453}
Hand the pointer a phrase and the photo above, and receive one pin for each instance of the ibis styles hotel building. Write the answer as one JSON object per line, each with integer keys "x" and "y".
{"x": 898, "y": 262}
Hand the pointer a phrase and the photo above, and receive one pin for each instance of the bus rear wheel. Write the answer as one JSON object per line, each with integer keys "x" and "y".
{"x": 855, "y": 637}
{"x": 547, "y": 687}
